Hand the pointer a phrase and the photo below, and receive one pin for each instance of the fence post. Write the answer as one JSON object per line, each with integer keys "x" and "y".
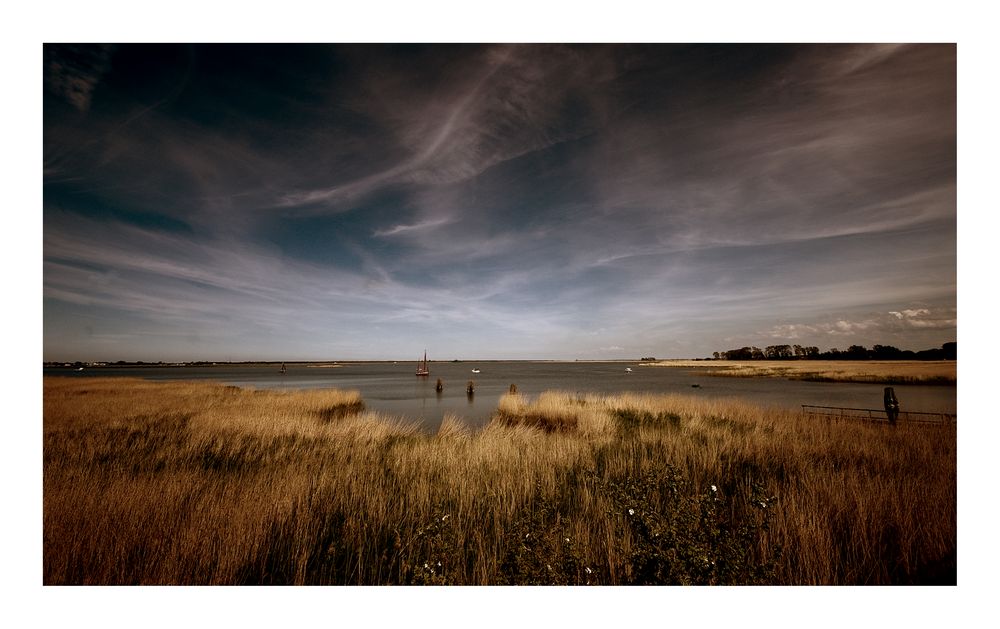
{"x": 891, "y": 405}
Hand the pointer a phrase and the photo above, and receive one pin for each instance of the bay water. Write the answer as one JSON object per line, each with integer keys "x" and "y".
{"x": 393, "y": 389}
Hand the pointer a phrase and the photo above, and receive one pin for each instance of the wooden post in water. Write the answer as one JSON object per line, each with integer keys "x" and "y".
{"x": 891, "y": 405}
{"x": 439, "y": 387}
{"x": 513, "y": 388}
{"x": 470, "y": 388}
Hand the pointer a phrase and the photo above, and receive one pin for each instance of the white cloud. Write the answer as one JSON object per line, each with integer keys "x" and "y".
{"x": 887, "y": 327}
{"x": 402, "y": 229}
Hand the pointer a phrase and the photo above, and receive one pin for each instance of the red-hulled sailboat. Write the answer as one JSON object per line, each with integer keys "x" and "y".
{"x": 422, "y": 366}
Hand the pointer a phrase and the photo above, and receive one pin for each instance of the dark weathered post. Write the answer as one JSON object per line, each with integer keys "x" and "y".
{"x": 439, "y": 387}
{"x": 513, "y": 388}
{"x": 470, "y": 388}
{"x": 891, "y": 405}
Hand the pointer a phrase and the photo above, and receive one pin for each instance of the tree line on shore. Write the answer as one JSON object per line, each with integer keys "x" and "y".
{"x": 948, "y": 351}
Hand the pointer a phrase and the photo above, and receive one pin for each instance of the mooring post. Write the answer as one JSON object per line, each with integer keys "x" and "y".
{"x": 470, "y": 388}
{"x": 439, "y": 387}
{"x": 513, "y": 388}
{"x": 891, "y": 405}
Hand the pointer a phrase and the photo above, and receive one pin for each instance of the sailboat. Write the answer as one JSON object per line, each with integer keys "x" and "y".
{"x": 422, "y": 366}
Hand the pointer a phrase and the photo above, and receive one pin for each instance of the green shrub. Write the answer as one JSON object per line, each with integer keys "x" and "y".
{"x": 540, "y": 550}
{"x": 438, "y": 552}
{"x": 630, "y": 419}
{"x": 682, "y": 538}
{"x": 666, "y": 535}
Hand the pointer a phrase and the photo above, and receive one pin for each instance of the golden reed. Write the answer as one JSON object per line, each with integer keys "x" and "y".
{"x": 199, "y": 483}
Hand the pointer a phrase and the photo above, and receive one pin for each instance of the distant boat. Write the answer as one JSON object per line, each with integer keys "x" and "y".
{"x": 475, "y": 371}
{"x": 422, "y": 366}
{"x": 283, "y": 368}
{"x": 628, "y": 370}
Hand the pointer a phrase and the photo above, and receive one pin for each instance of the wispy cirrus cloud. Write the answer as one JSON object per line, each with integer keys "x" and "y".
{"x": 830, "y": 146}
{"x": 407, "y": 229}
{"x": 500, "y": 104}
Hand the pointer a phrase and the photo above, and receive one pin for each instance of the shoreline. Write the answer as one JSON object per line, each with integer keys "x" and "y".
{"x": 897, "y": 372}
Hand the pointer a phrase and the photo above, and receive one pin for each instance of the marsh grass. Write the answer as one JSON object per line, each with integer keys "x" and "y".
{"x": 179, "y": 483}
{"x": 925, "y": 372}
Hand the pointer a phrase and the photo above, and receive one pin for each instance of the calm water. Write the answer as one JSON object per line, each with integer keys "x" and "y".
{"x": 393, "y": 389}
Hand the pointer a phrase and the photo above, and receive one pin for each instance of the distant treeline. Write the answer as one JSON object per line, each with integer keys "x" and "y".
{"x": 948, "y": 351}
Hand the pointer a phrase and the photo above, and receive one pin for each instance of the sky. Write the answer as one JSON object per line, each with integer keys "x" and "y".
{"x": 335, "y": 202}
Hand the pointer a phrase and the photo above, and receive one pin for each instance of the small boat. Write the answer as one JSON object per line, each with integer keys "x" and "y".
{"x": 475, "y": 371}
{"x": 628, "y": 370}
{"x": 422, "y": 366}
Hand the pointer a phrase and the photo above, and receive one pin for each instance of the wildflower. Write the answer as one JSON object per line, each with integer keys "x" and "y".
{"x": 631, "y": 512}
{"x": 567, "y": 540}
{"x": 714, "y": 489}
{"x": 445, "y": 517}
{"x": 588, "y": 570}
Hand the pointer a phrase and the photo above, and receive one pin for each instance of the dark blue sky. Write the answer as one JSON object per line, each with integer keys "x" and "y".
{"x": 602, "y": 201}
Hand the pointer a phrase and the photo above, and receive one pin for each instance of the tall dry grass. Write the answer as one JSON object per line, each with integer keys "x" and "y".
{"x": 205, "y": 484}
{"x": 926, "y": 372}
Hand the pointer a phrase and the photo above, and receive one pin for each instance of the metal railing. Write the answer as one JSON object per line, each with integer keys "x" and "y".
{"x": 875, "y": 414}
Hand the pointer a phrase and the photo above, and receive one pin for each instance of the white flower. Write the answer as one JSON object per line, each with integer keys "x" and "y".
{"x": 445, "y": 517}
{"x": 631, "y": 512}
{"x": 567, "y": 539}
{"x": 714, "y": 489}
{"x": 588, "y": 570}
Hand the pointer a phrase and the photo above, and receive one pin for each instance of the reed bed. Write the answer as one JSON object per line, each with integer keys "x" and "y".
{"x": 198, "y": 483}
{"x": 926, "y": 372}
